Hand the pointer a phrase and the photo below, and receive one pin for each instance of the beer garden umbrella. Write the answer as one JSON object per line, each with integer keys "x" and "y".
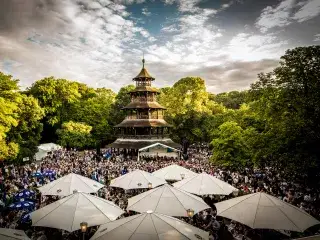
{"x": 66, "y": 185}
{"x": 67, "y": 213}
{"x": 167, "y": 200}
{"x": 205, "y": 184}
{"x": 149, "y": 226}
{"x": 315, "y": 237}
{"x": 173, "y": 173}
{"x": 12, "y": 234}
{"x": 263, "y": 211}
{"x": 137, "y": 179}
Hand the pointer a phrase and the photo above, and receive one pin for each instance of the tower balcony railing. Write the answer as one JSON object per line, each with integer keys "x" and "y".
{"x": 144, "y": 117}
{"x": 143, "y": 136}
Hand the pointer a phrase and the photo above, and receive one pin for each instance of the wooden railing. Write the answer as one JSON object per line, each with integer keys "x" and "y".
{"x": 143, "y": 136}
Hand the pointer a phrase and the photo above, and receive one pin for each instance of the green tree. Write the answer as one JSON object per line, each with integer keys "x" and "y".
{"x": 233, "y": 99}
{"x": 230, "y": 146}
{"x": 96, "y": 111}
{"x": 55, "y": 97}
{"x": 27, "y": 133}
{"x": 75, "y": 135}
{"x": 188, "y": 106}
{"x": 288, "y": 100}
{"x": 8, "y": 119}
{"x": 20, "y": 125}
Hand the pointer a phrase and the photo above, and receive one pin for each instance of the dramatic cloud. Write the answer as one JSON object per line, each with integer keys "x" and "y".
{"x": 309, "y": 10}
{"x": 278, "y": 16}
{"x": 287, "y": 12}
{"x": 101, "y": 42}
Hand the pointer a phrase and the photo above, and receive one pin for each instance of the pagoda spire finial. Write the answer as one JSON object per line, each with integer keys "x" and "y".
{"x": 143, "y": 61}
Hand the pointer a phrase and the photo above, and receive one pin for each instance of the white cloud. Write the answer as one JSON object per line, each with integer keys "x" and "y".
{"x": 278, "y": 16}
{"x": 128, "y": 2}
{"x": 91, "y": 46}
{"x": 152, "y": 39}
{"x": 170, "y": 28}
{"x": 186, "y": 5}
{"x": 191, "y": 40}
{"x": 145, "y": 11}
{"x": 255, "y": 47}
{"x": 287, "y": 12}
{"x": 317, "y": 37}
{"x": 307, "y": 11}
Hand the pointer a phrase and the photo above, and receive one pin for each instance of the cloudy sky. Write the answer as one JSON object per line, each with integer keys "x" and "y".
{"x": 101, "y": 42}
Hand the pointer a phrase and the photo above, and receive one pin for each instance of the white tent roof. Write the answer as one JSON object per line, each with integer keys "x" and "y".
{"x": 67, "y": 213}
{"x": 149, "y": 226}
{"x": 66, "y": 185}
{"x": 49, "y": 147}
{"x": 136, "y": 179}
{"x": 40, "y": 154}
{"x": 167, "y": 200}
{"x": 205, "y": 184}
{"x": 173, "y": 173}
{"x": 158, "y": 144}
{"x": 11, "y": 234}
{"x": 263, "y": 211}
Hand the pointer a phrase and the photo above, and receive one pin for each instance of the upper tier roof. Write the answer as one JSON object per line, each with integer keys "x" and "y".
{"x": 143, "y": 75}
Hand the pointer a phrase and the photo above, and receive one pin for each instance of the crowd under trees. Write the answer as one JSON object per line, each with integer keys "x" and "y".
{"x": 275, "y": 123}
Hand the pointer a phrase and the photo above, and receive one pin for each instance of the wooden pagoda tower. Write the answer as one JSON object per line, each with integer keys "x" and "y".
{"x": 144, "y": 124}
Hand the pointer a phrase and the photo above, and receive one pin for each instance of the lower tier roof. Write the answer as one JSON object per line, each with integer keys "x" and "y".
{"x": 143, "y": 123}
{"x": 141, "y": 143}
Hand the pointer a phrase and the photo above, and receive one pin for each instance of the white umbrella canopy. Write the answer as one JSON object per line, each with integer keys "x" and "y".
{"x": 263, "y": 211}
{"x": 70, "y": 183}
{"x": 12, "y": 234}
{"x": 205, "y": 184}
{"x": 67, "y": 213}
{"x": 315, "y": 237}
{"x": 136, "y": 179}
{"x": 149, "y": 226}
{"x": 167, "y": 200}
{"x": 173, "y": 173}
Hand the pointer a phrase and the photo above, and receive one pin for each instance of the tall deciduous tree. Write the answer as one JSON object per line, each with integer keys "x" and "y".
{"x": 55, "y": 96}
{"x": 20, "y": 127}
{"x": 8, "y": 119}
{"x": 230, "y": 145}
{"x": 75, "y": 135}
{"x": 27, "y": 133}
{"x": 288, "y": 99}
{"x": 188, "y": 105}
{"x": 233, "y": 99}
{"x": 96, "y": 112}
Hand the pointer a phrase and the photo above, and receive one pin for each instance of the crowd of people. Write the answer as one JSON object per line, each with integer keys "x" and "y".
{"x": 87, "y": 163}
